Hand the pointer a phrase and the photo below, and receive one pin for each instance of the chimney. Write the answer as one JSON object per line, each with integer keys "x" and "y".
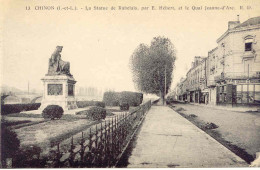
{"x": 233, "y": 24}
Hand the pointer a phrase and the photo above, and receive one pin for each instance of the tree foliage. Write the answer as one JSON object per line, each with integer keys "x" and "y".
{"x": 148, "y": 64}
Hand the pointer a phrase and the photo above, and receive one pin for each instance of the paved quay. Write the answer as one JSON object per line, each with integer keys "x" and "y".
{"x": 166, "y": 139}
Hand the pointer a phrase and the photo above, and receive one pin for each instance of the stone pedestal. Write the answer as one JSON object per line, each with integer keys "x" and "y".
{"x": 59, "y": 90}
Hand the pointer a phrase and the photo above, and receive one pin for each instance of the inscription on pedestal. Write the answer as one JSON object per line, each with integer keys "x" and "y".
{"x": 55, "y": 89}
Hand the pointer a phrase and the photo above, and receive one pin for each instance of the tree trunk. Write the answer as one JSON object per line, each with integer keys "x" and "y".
{"x": 162, "y": 96}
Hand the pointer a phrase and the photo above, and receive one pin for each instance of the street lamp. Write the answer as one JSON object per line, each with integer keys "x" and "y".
{"x": 165, "y": 84}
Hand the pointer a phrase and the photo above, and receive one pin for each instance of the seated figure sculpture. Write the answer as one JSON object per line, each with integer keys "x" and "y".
{"x": 56, "y": 65}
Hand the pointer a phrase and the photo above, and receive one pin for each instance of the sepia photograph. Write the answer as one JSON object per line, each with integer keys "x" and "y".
{"x": 130, "y": 84}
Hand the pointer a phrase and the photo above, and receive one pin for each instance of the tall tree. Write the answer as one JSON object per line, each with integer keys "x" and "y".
{"x": 152, "y": 66}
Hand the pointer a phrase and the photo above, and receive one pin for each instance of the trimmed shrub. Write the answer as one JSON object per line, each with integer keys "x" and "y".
{"x": 52, "y": 112}
{"x": 9, "y": 143}
{"x": 82, "y": 104}
{"x": 124, "y": 106}
{"x": 17, "y": 108}
{"x": 111, "y": 98}
{"x": 29, "y": 157}
{"x": 96, "y": 113}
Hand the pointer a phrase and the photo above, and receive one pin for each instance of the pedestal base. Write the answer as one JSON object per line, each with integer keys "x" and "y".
{"x": 67, "y": 104}
{"x": 59, "y": 90}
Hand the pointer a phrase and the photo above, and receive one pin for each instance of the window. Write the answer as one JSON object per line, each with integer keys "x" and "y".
{"x": 249, "y": 43}
{"x": 248, "y": 46}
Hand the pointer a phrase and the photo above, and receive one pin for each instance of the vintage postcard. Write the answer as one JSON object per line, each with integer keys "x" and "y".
{"x": 130, "y": 84}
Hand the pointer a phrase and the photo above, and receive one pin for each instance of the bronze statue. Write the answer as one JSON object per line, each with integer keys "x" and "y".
{"x": 56, "y": 65}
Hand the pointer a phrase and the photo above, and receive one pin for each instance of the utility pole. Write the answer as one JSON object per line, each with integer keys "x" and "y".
{"x": 165, "y": 84}
{"x": 248, "y": 72}
{"x": 160, "y": 84}
{"x": 248, "y": 83}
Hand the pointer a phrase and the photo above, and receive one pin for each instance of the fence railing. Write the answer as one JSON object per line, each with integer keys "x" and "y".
{"x": 100, "y": 146}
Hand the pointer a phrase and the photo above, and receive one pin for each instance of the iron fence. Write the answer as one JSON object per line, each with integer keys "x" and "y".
{"x": 102, "y": 145}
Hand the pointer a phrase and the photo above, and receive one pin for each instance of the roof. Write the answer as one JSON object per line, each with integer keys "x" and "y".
{"x": 250, "y": 22}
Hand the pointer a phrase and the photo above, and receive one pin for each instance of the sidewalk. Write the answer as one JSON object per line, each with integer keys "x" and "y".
{"x": 166, "y": 139}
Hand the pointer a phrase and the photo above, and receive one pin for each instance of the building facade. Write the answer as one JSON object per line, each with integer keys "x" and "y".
{"x": 230, "y": 74}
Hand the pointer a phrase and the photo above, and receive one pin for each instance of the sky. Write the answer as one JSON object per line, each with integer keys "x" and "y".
{"x": 98, "y": 44}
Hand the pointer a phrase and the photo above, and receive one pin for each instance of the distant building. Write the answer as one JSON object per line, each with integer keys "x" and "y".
{"x": 230, "y": 75}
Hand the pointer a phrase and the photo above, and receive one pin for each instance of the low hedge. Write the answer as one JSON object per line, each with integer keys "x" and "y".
{"x": 132, "y": 98}
{"x": 111, "y": 98}
{"x": 124, "y": 106}
{"x": 117, "y": 98}
{"x": 17, "y": 108}
{"x": 82, "y": 104}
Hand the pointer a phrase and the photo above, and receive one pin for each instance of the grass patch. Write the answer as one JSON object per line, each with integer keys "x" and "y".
{"x": 24, "y": 115}
{"x": 14, "y": 123}
{"x": 61, "y": 137}
{"x": 64, "y": 117}
{"x": 73, "y": 117}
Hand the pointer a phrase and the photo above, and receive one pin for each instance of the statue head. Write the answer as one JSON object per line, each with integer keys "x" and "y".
{"x": 59, "y": 48}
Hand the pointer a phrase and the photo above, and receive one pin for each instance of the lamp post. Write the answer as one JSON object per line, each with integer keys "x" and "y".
{"x": 165, "y": 84}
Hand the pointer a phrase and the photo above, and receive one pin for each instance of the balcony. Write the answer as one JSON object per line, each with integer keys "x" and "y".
{"x": 237, "y": 75}
{"x": 248, "y": 54}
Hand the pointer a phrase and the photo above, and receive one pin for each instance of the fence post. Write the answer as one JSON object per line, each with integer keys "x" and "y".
{"x": 125, "y": 125}
{"x": 58, "y": 156}
{"x": 108, "y": 144}
{"x": 82, "y": 149}
{"x": 112, "y": 140}
{"x": 119, "y": 135}
{"x": 71, "y": 159}
{"x": 105, "y": 145}
{"x": 101, "y": 146}
{"x": 96, "y": 141}
{"x": 90, "y": 149}
{"x": 90, "y": 140}
{"x": 120, "y": 132}
{"x": 117, "y": 140}
{"x": 96, "y": 155}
